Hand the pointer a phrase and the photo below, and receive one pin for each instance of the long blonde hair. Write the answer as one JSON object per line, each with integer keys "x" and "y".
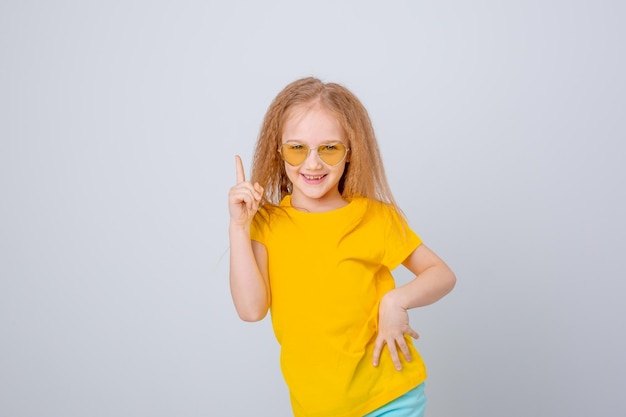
{"x": 364, "y": 175}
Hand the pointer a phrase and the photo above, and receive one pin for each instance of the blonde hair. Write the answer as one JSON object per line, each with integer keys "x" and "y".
{"x": 364, "y": 175}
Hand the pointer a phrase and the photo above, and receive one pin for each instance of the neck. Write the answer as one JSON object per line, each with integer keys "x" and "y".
{"x": 317, "y": 205}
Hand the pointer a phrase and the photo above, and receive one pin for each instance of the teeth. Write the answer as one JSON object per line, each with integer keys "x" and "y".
{"x": 309, "y": 177}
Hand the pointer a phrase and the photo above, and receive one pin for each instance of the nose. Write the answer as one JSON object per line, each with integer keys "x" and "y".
{"x": 313, "y": 160}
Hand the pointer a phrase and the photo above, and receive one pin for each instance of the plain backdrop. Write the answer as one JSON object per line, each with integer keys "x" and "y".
{"x": 502, "y": 128}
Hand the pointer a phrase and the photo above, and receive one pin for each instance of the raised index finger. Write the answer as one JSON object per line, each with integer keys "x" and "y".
{"x": 241, "y": 177}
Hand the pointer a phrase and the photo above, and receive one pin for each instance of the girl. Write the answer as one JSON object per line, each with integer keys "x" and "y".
{"x": 313, "y": 238}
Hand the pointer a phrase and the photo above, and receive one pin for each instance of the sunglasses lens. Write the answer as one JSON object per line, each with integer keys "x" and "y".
{"x": 332, "y": 154}
{"x": 294, "y": 154}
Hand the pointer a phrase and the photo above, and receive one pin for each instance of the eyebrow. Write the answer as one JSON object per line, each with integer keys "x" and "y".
{"x": 328, "y": 142}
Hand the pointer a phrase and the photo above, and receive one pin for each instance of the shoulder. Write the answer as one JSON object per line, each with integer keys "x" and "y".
{"x": 376, "y": 214}
{"x": 268, "y": 213}
{"x": 377, "y": 208}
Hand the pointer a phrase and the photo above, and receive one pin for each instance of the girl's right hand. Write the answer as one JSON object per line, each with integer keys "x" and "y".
{"x": 243, "y": 198}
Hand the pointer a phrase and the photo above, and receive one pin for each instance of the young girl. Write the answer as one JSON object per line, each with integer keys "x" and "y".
{"x": 313, "y": 238}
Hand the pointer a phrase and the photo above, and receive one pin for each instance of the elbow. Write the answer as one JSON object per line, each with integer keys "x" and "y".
{"x": 451, "y": 280}
{"x": 250, "y": 306}
{"x": 250, "y": 315}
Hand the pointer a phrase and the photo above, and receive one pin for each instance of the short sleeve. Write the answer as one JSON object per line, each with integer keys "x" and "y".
{"x": 400, "y": 239}
{"x": 258, "y": 227}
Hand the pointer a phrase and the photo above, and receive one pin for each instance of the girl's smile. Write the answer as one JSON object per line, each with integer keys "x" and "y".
{"x": 313, "y": 179}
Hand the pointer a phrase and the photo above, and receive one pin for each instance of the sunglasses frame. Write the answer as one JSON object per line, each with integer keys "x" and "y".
{"x": 309, "y": 153}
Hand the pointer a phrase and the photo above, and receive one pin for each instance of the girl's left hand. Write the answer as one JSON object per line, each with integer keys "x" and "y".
{"x": 393, "y": 324}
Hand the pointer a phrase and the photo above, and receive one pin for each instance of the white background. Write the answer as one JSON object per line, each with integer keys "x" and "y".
{"x": 502, "y": 127}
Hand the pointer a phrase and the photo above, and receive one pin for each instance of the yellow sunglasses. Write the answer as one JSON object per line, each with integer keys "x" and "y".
{"x": 331, "y": 154}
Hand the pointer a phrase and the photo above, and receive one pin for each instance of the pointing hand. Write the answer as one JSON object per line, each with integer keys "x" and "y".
{"x": 244, "y": 198}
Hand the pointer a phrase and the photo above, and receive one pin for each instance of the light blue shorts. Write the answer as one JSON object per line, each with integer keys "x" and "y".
{"x": 411, "y": 404}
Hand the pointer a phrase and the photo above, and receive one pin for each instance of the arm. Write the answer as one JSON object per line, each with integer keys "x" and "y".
{"x": 249, "y": 283}
{"x": 433, "y": 280}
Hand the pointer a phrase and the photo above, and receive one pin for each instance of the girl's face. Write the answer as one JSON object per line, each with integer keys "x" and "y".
{"x": 315, "y": 184}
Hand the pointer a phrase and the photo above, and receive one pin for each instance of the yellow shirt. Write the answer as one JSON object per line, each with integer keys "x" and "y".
{"x": 328, "y": 272}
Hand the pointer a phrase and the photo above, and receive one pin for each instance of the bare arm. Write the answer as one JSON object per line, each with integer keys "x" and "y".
{"x": 249, "y": 283}
{"x": 433, "y": 280}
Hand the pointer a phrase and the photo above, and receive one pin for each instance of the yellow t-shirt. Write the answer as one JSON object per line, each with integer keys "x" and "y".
{"x": 328, "y": 272}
